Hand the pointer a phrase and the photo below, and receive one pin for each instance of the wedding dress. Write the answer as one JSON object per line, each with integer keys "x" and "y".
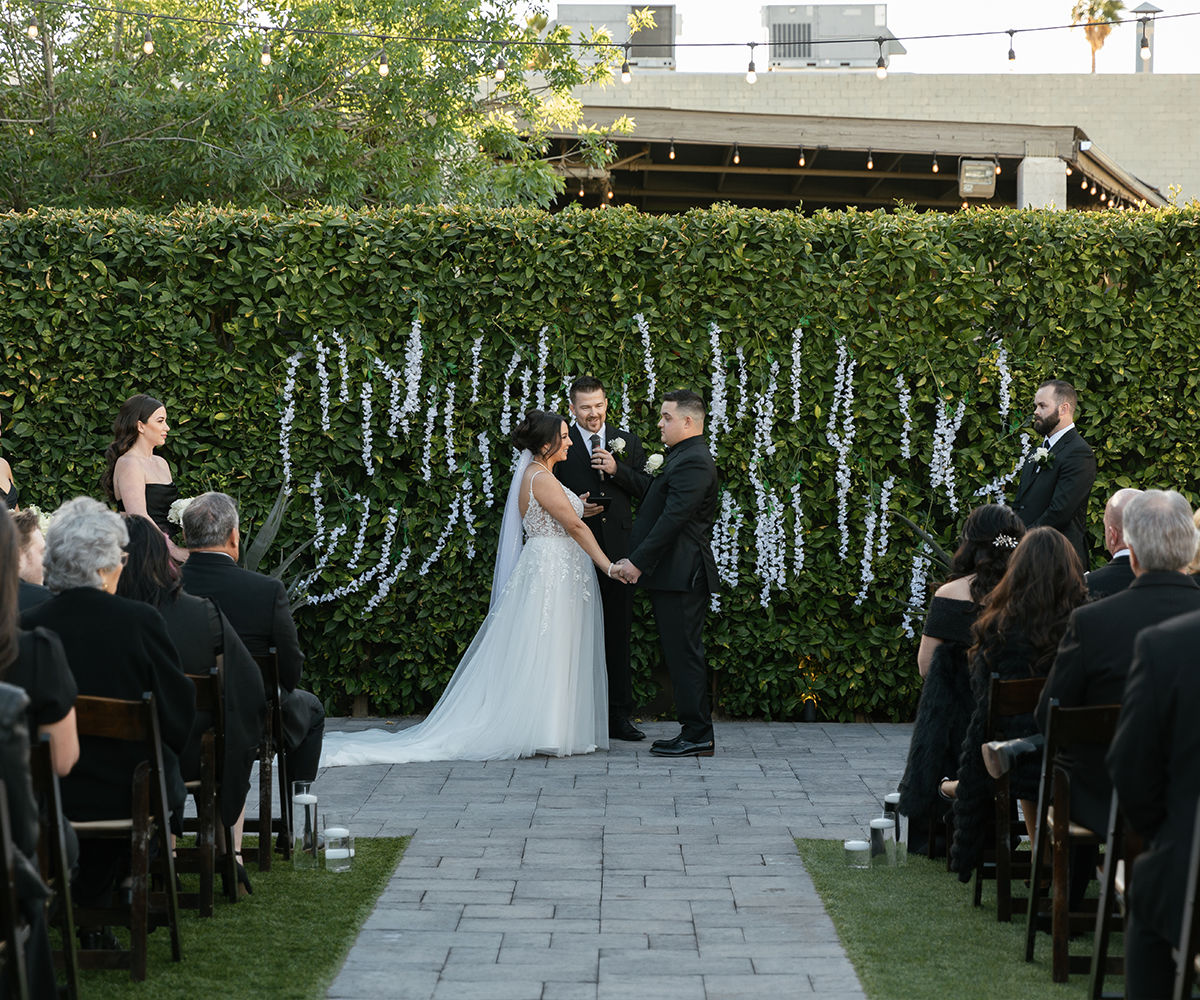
{"x": 533, "y": 679}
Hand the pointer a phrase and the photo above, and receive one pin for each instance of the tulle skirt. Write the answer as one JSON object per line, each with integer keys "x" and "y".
{"x": 533, "y": 680}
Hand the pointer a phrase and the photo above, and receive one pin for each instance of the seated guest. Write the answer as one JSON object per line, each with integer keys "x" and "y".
{"x": 116, "y": 648}
{"x": 200, "y": 632}
{"x": 1016, "y": 636}
{"x": 1194, "y": 567}
{"x": 1116, "y": 574}
{"x": 258, "y": 608}
{"x": 29, "y": 567}
{"x": 1155, "y": 765}
{"x": 989, "y": 536}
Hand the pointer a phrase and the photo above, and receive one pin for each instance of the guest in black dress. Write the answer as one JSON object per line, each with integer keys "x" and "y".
{"x": 1016, "y": 636}
{"x": 116, "y": 648}
{"x": 989, "y": 536}
{"x": 137, "y": 479}
{"x": 8, "y": 489}
{"x": 200, "y": 632}
{"x": 29, "y": 565}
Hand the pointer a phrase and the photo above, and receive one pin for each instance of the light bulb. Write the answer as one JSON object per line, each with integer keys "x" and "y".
{"x": 501, "y": 70}
{"x": 1145, "y": 51}
{"x": 1093, "y": 190}
{"x": 751, "y": 76}
{"x": 1104, "y": 196}
{"x": 671, "y": 154}
{"x": 265, "y": 58}
{"x": 1069, "y": 170}
{"x": 801, "y": 156}
{"x": 581, "y": 189}
{"x": 147, "y": 43}
{"x": 1012, "y": 56}
{"x": 997, "y": 168}
{"x": 964, "y": 205}
{"x": 1083, "y": 184}
{"x": 880, "y": 68}
{"x": 626, "y": 76}
{"x": 737, "y": 158}
{"x": 870, "y": 160}
{"x": 383, "y": 64}
{"x": 31, "y": 130}
{"x": 934, "y": 168}
{"x": 32, "y": 30}
{"x": 610, "y": 194}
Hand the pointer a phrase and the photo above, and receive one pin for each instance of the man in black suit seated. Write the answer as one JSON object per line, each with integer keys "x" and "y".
{"x": 29, "y": 566}
{"x": 1095, "y": 652}
{"x": 1155, "y": 765}
{"x": 608, "y": 462}
{"x": 672, "y": 557}
{"x": 1116, "y": 574}
{"x": 1055, "y": 482}
{"x": 257, "y": 607}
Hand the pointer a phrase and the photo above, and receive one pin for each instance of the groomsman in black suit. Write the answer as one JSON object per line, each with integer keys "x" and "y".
{"x": 605, "y": 465}
{"x": 1116, "y": 574}
{"x": 1056, "y": 481}
{"x": 1155, "y": 765}
{"x": 672, "y": 557}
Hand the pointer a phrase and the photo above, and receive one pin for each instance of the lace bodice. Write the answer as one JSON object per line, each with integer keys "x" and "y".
{"x": 537, "y": 521}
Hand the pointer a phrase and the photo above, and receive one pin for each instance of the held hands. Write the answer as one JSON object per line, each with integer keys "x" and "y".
{"x": 603, "y": 461}
{"x": 627, "y": 571}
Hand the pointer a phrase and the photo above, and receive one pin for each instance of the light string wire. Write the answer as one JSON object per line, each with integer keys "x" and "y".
{"x": 542, "y": 43}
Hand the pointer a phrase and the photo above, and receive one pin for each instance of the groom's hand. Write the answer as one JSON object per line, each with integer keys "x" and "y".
{"x": 627, "y": 571}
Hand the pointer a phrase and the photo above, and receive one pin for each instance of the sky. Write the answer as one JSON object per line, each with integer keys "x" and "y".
{"x": 1176, "y": 49}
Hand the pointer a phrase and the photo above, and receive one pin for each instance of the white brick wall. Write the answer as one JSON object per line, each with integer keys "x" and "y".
{"x": 1148, "y": 123}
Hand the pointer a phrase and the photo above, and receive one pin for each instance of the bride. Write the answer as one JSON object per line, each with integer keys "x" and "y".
{"x": 533, "y": 679}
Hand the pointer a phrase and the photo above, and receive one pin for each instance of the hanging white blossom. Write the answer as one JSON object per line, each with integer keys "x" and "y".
{"x": 906, "y": 414}
{"x": 941, "y": 462}
{"x": 543, "y": 357}
{"x": 334, "y": 537}
{"x": 368, "y": 461}
{"x": 644, "y": 329}
{"x": 359, "y": 581}
{"x": 916, "y": 589}
{"x": 718, "y": 419}
{"x": 725, "y": 544}
{"x": 526, "y": 390}
{"x": 743, "y": 379}
{"x": 344, "y": 365}
{"x": 797, "y": 337}
{"x": 769, "y": 539}
{"x": 1005, "y": 379}
{"x": 323, "y": 376}
{"x": 430, "y": 419}
{"x": 386, "y": 582}
{"x": 797, "y": 531}
{"x": 318, "y": 512}
{"x": 485, "y": 462}
{"x": 448, "y": 423}
{"x": 451, "y": 521}
{"x": 285, "y": 422}
{"x": 413, "y": 355}
{"x": 993, "y": 492}
{"x": 362, "y": 530}
{"x": 468, "y": 516}
{"x": 476, "y": 368}
{"x": 506, "y": 399}
{"x": 843, "y": 398}
{"x": 626, "y": 406}
{"x": 885, "y": 497}
{"x": 764, "y": 417}
{"x": 868, "y": 571}
{"x": 395, "y": 405}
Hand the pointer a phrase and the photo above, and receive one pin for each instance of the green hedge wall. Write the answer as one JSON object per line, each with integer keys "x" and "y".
{"x": 204, "y": 307}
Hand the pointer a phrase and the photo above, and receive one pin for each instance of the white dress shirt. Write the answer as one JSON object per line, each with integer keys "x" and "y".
{"x": 1053, "y": 439}
{"x": 587, "y": 436}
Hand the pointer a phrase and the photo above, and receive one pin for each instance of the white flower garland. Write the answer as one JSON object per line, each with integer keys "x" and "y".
{"x": 941, "y": 464}
{"x": 430, "y": 419}
{"x": 916, "y": 589}
{"x": 885, "y": 497}
{"x": 543, "y": 357}
{"x": 843, "y": 398}
{"x": 797, "y": 531}
{"x": 368, "y": 461}
{"x": 385, "y": 583}
{"x": 526, "y": 390}
{"x": 344, "y": 364}
{"x": 334, "y": 537}
{"x": 868, "y": 572}
{"x": 318, "y": 512}
{"x": 412, "y": 374}
{"x": 323, "y": 375}
{"x": 506, "y": 398}
{"x": 718, "y": 419}
{"x": 395, "y": 406}
{"x": 362, "y": 530}
{"x": 285, "y": 422}
{"x": 485, "y": 462}
{"x": 476, "y": 368}
{"x": 468, "y": 515}
{"x": 996, "y": 487}
{"x": 644, "y": 328}
{"x": 725, "y": 539}
{"x": 1005, "y": 379}
{"x": 906, "y": 413}
{"x": 743, "y": 379}
{"x": 626, "y": 405}
{"x": 797, "y": 337}
{"x": 448, "y": 422}
{"x": 764, "y": 417}
{"x": 770, "y": 541}
{"x": 455, "y": 507}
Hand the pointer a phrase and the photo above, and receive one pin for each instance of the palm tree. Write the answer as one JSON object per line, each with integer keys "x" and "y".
{"x": 1096, "y": 15}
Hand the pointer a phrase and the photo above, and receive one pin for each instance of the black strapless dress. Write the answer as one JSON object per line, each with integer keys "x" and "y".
{"x": 10, "y": 498}
{"x": 159, "y": 497}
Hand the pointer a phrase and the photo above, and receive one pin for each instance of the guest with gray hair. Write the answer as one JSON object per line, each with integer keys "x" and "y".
{"x": 115, "y": 648}
{"x": 1116, "y": 574}
{"x": 257, "y": 607}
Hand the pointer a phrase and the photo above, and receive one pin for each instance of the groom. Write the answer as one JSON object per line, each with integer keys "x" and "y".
{"x": 672, "y": 557}
{"x": 606, "y": 462}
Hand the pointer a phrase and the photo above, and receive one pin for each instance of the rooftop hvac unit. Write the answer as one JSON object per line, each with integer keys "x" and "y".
{"x": 819, "y": 36}
{"x": 652, "y": 48}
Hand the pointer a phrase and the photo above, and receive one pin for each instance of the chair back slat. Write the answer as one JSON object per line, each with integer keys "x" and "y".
{"x": 114, "y": 718}
{"x": 1013, "y": 697}
{"x": 1087, "y": 724}
{"x": 207, "y": 696}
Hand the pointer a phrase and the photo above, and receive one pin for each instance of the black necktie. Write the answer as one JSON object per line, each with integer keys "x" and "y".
{"x": 595, "y": 445}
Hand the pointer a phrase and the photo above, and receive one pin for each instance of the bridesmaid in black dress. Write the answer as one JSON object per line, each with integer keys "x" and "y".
{"x": 137, "y": 479}
{"x": 989, "y": 536}
{"x": 8, "y": 489}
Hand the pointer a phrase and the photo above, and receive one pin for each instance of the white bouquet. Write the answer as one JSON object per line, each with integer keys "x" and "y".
{"x": 43, "y": 518}
{"x": 175, "y": 514}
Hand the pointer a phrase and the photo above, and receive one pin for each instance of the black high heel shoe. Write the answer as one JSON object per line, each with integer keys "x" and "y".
{"x": 243, "y": 880}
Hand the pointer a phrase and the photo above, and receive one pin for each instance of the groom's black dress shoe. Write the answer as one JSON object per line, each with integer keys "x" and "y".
{"x": 620, "y": 728}
{"x": 684, "y": 748}
{"x": 668, "y": 743}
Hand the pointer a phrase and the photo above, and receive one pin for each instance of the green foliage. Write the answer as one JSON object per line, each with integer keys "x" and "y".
{"x": 203, "y": 308}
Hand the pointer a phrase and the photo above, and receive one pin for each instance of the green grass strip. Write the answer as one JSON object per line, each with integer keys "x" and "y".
{"x": 912, "y": 933}
{"x": 285, "y": 942}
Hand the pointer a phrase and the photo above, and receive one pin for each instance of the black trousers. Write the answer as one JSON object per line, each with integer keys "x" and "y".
{"x": 679, "y": 615}
{"x": 617, "y": 598}
{"x": 303, "y": 733}
{"x": 1149, "y": 968}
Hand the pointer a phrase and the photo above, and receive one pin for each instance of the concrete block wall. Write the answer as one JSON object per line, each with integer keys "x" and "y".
{"x": 1148, "y": 123}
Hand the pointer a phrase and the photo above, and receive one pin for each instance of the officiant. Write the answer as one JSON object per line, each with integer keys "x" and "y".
{"x": 606, "y": 466}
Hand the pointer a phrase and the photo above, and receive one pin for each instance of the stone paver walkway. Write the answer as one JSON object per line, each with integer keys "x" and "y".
{"x": 614, "y": 875}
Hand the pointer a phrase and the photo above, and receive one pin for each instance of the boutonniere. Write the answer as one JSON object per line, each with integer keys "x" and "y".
{"x": 616, "y": 445}
{"x": 1043, "y": 458}
{"x": 654, "y": 463}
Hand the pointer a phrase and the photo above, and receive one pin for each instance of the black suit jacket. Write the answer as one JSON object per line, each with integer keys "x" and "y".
{"x": 1057, "y": 495}
{"x": 1111, "y": 578}
{"x": 30, "y": 595}
{"x": 611, "y": 528}
{"x": 116, "y": 648}
{"x": 1155, "y": 764}
{"x": 1092, "y": 666}
{"x": 256, "y": 606}
{"x": 672, "y": 536}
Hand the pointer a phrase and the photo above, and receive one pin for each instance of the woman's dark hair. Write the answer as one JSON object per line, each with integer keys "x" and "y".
{"x": 10, "y": 557}
{"x": 978, "y": 552}
{"x": 149, "y": 576}
{"x": 536, "y": 430}
{"x": 1043, "y": 585}
{"x": 134, "y": 409}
